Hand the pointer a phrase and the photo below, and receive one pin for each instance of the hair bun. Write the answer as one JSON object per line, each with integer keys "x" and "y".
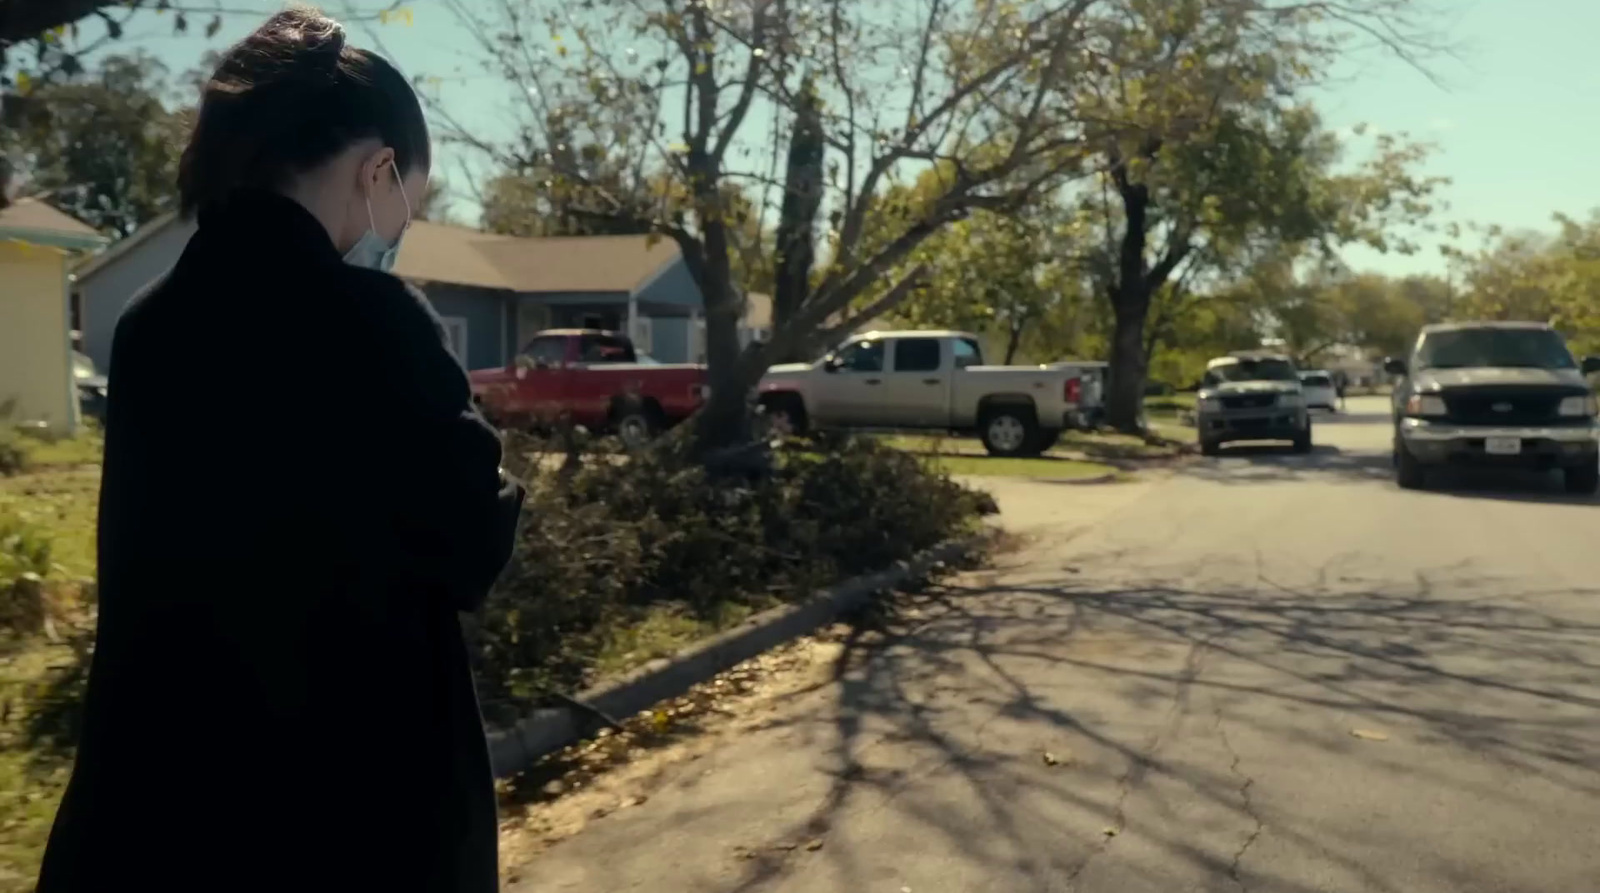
{"x": 317, "y": 41}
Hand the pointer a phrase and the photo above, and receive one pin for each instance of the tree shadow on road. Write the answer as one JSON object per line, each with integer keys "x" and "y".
{"x": 1259, "y": 464}
{"x": 1255, "y": 464}
{"x": 976, "y": 674}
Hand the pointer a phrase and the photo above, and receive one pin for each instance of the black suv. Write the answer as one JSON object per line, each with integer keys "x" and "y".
{"x": 1495, "y": 393}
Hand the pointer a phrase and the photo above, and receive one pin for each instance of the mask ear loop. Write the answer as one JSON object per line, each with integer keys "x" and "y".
{"x": 403, "y": 197}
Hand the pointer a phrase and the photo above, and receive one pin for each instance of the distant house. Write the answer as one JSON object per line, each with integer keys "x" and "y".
{"x": 38, "y": 245}
{"x": 492, "y": 291}
{"x": 103, "y": 284}
{"x": 1356, "y": 364}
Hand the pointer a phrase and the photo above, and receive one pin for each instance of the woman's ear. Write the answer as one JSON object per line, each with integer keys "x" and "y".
{"x": 375, "y": 169}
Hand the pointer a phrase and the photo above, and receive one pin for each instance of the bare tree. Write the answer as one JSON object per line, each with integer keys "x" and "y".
{"x": 980, "y": 90}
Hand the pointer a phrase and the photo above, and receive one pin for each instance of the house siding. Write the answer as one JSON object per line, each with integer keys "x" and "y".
{"x": 605, "y": 299}
{"x": 104, "y": 295}
{"x": 485, "y": 313}
{"x": 674, "y": 285}
{"x": 35, "y": 364}
{"x": 670, "y": 338}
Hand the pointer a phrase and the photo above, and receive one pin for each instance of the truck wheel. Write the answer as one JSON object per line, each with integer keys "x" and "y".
{"x": 1048, "y": 439}
{"x": 1010, "y": 431}
{"x": 1408, "y": 472}
{"x": 1583, "y": 480}
{"x": 1209, "y": 447}
{"x": 783, "y": 415}
{"x": 636, "y": 426}
{"x": 1302, "y": 444}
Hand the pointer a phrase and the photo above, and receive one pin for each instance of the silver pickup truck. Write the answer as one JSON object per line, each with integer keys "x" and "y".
{"x": 932, "y": 380}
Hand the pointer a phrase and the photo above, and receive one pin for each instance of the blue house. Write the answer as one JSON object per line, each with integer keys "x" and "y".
{"x": 492, "y": 291}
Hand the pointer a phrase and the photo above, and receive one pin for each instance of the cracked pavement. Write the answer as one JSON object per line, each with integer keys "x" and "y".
{"x": 1262, "y": 672}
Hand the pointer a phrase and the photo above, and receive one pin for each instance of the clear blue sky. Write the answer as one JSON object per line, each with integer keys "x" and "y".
{"x": 1513, "y": 119}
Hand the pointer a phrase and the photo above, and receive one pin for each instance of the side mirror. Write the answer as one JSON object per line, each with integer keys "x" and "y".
{"x": 1591, "y": 365}
{"x": 831, "y": 364}
{"x": 1394, "y": 366}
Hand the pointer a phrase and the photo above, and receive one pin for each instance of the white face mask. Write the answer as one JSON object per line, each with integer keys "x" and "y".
{"x": 371, "y": 251}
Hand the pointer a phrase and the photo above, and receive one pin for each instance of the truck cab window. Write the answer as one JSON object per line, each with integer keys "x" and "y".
{"x": 546, "y": 351}
{"x": 605, "y": 349}
{"x": 861, "y": 356}
{"x": 967, "y": 353}
{"x": 916, "y": 354}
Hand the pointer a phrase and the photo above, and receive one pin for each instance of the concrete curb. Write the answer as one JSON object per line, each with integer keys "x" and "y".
{"x": 1097, "y": 479}
{"x": 548, "y": 729}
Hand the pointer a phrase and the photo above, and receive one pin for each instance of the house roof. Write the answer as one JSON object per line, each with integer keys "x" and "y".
{"x": 122, "y": 246}
{"x": 440, "y": 252}
{"x": 581, "y": 263}
{"x": 31, "y": 220}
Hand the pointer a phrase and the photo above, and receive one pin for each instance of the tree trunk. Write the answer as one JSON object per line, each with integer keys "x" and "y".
{"x": 724, "y": 420}
{"x": 1130, "y": 307}
{"x": 1129, "y": 363}
{"x": 1013, "y": 340}
{"x": 797, "y": 216}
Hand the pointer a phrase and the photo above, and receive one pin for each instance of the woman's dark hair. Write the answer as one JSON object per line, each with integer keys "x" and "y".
{"x": 286, "y": 99}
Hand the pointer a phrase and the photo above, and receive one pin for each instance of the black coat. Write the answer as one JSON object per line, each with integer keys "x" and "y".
{"x": 297, "y": 500}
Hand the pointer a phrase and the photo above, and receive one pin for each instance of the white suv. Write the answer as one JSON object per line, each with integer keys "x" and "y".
{"x": 1317, "y": 386}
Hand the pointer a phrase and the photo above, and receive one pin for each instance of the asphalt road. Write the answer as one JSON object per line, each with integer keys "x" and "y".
{"x": 1262, "y": 672}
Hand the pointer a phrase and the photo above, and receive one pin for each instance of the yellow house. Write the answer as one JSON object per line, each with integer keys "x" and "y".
{"x": 38, "y": 245}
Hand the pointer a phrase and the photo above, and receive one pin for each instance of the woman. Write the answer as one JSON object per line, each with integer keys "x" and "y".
{"x": 280, "y": 696}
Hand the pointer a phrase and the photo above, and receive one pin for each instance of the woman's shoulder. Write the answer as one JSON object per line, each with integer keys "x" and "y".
{"x": 392, "y": 303}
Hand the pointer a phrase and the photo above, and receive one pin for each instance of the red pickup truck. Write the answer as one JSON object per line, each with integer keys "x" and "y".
{"x": 591, "y": 378}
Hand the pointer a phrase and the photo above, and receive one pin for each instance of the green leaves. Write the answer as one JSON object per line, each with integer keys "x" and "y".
{"x": 104, "y": 148}
{"x": 1552, "y": 278}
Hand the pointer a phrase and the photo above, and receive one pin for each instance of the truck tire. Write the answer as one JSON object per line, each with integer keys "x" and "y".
{"x": 1408, "y": 472}
{"x": 1010, "y": 431}
{"x": 1302, "y": 444}
{"x": 636, "y": 424}
{"x": 783, "y": 415}
{"x": 1583, "y": 480}
{"x": 1209, "y": 447}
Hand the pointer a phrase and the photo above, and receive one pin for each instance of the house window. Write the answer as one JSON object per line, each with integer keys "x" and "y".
{"x": 455, "y": 336}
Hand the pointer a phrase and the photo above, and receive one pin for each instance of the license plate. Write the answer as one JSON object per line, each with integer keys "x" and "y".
{"x": 1502, "y": 446}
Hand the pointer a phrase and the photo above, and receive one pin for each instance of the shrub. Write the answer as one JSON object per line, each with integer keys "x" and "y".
{"x": 13, "y": 457}
{"x": 24, "y": 548}
{"x": 614, "y": 546}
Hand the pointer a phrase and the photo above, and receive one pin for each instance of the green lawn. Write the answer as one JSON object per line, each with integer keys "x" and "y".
{"x": 84, "y": 449}
{"x": 1086, "y": 447}
{"x": 1110, "y": 446}
{"x": 57, "y": 497}
{"x": 957, "y": 455}
{"x": 32, "y": 781}
{"x": 1169, "y": 404}
{"x": 62, "y": 502}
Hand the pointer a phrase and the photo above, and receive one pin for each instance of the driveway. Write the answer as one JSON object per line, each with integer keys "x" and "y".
{"x": 1259, "y": 672}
